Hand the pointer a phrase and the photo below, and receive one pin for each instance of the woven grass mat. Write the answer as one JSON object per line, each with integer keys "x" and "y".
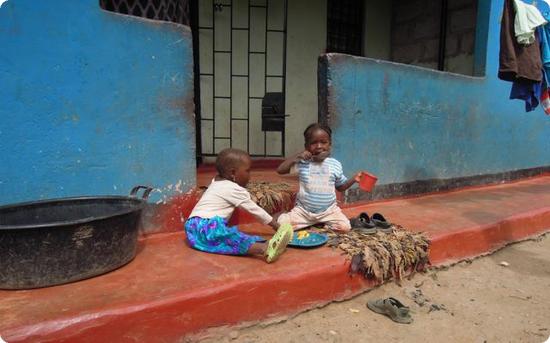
{"x": 383, "y": 256}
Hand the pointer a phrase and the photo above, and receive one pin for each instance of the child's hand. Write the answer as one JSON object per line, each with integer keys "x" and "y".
{"x": 357, "y": 176}
{"x": 320, "y": 157}
{"x": 304, "y": 156}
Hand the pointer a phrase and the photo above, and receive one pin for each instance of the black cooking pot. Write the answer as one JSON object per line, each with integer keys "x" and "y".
{"x": 50, "y": 242}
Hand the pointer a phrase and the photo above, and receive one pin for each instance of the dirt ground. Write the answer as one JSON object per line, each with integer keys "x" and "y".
{"x": 483, "y": 300}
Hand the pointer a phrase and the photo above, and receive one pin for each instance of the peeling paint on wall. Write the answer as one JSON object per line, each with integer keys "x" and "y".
{"x": 167, "y": 192}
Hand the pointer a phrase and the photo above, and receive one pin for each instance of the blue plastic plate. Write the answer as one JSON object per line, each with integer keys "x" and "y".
{"x": 313, "y": 240}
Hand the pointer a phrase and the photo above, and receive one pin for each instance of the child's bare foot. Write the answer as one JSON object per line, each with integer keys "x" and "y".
{"x": 258, "y": 248}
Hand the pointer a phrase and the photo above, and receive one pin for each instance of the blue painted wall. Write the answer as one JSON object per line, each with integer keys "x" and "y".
{"x": 405, "y": 123}
{"x": 92, "y": 102}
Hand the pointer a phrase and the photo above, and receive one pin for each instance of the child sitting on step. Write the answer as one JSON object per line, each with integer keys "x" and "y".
{"x": 319, "y": 176}
{"x": 207, "y": 228}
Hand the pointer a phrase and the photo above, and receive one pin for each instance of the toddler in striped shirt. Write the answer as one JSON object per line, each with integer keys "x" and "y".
{"x": 320, "y": 176}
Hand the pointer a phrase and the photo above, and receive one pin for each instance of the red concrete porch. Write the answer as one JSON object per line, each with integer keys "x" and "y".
{"x": 170, "y": 291}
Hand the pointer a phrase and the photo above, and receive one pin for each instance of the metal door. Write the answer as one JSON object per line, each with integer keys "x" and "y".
{"x": 242, "y": 64}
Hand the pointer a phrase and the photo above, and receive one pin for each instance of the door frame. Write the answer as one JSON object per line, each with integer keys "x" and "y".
{"x": 194, "y": 15}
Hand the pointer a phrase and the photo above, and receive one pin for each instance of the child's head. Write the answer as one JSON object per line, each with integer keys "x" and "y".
{"x": 318, "y": 139}
{"x": 234, "y": 165}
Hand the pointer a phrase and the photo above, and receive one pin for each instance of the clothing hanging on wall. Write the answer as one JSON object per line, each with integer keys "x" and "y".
{"x": 528, "y": 91}
{"x": 527, "y": 19}
{"x": 524, "y": 50}
{"x": 516, "y": 61}
{"x": 545, "y": 95}
{"x": 544, "y": 37}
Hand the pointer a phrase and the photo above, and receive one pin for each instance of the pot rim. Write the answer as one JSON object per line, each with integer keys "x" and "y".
{"x": 139, "y": 204}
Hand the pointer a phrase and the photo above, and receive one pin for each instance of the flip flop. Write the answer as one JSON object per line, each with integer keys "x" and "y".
{"x": 363, "y": 224}
{"x": 392, "y": 308}
{"x": 277, "y": 244}
{"x": 381, "y": 223}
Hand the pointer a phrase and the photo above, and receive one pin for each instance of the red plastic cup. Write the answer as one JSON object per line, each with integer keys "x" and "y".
{"x": 367, "y": 181}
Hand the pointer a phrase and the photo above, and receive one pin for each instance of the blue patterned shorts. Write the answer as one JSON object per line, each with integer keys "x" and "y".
{"x": 214, "y": 236}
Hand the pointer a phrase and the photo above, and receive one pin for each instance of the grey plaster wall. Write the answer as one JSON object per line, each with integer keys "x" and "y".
{"x": 415, "y": 34}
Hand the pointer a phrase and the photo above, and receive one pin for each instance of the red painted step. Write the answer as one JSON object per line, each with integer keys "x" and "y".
{"x": 170, "y": 291}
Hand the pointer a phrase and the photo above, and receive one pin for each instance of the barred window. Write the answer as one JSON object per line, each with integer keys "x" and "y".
{"x": 344, "y": 26}
{"x": 176, "y": 11}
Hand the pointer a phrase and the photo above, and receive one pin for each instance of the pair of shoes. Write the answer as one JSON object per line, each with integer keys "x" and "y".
{"x": 363, "y": 224}
{"x": 392, "y": 308}
{"x": 369, "y": 225}
{"x": 278, "y": 243}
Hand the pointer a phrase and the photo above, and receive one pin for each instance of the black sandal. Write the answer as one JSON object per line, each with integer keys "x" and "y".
{"x": 381, "y": 223}
{"x": 363, "y": 224}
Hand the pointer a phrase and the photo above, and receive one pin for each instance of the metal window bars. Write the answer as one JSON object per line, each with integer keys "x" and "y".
{"x": 344, "y": 26}
{"x": 176, "y": 11}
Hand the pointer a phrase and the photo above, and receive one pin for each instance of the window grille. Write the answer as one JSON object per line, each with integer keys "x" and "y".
{"x": 344, "y": 26}
{"x": 176, "y": 11}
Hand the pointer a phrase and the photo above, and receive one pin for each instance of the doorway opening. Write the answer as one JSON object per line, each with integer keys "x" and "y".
{"x": 240, "y": 62}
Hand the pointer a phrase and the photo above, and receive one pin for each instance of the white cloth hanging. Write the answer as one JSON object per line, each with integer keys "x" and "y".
{"x": 527, "y": 19}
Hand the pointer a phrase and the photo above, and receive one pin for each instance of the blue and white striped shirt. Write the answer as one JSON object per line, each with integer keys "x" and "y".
{"x": 317, "y": 184}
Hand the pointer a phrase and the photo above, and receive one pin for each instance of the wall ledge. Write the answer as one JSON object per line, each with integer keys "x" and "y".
{"x": 421, "y": 187}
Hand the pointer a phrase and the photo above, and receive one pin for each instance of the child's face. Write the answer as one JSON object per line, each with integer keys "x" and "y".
{"x": 242, "y": 173}
{"x": 319, "y": 142}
